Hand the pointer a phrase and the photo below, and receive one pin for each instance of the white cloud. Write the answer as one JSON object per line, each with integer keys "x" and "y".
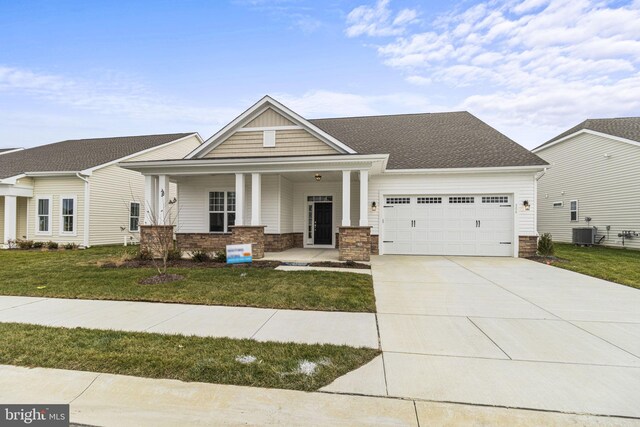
{"x": 540, "y": 63}
{"x": 378, "y": 20}
{"x": 324, "y": 103}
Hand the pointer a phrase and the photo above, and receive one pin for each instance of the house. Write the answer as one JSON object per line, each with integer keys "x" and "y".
{"x": 74, "y": 192}
{"x": 433, "y": 184}
{"x": 593, "y": 181}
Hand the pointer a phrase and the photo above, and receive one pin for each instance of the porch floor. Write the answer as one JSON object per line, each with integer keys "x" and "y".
{"x": 303, "y": 255}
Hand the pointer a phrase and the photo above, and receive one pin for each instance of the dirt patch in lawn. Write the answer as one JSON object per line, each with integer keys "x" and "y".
{"x": 356, "y": 265}
{"x": 160, "y": 279}
{"x": 548, "y": 260}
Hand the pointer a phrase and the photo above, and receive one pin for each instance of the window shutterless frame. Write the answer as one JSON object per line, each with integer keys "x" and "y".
{"x": 68, "y": 216}
{"x": 134, "y": 217}
{"x": 573, "y": 210}
{"x": 44, "y": 207}
{"x": 221, "y": 210}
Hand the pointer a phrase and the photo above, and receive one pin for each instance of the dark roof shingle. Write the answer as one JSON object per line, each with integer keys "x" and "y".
{"x": 79, "y": 154}
{"x": 429, "y": 140}
{"x": 623, "y": 127}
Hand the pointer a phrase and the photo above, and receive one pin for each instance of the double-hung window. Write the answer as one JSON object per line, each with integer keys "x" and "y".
{"x": 44, "y": 215}
{"x": 573, "y": 210}
{"x": 68, "y": 215}
{"x": 134, "y": 217}
{"x": 222, "y": 211}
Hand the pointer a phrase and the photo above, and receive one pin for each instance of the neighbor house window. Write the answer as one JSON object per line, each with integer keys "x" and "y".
{"x": 67, "y": 215}
{"x": 222, "y": 211}
{"x": 44, "y": 215}
{"x": 573, "y": 210}
{"x": 134, "y": 216}
{"x": 558, "y": 204}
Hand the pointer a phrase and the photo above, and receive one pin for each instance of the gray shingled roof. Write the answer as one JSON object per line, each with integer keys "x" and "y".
{"x": 79, "y": 154}
{"x": 430, "y": 140}
{"x": 623, "y": 127}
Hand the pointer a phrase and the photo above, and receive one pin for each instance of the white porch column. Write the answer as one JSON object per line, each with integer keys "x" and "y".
{"x": 346, "y": 198}
{"x": 256, "y": 198}
{"x": 239, "y": 199}
{"x": 163, "y": 200}
{"x": 364, "y": 198}
{"x": 10, "y": 218}
{"x": 150, "y": 199}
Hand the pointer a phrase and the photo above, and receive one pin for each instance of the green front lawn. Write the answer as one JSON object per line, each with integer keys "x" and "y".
{"x": 616, "y": 265}
{"x": 211, "y": 360}
{"x": 77, "y": 274}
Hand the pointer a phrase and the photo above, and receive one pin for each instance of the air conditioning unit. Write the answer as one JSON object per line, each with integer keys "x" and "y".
{"x": 584, "y": 236}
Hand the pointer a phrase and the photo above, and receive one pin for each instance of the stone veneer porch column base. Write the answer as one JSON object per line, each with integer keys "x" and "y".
{"x": 354, "y": 243}
{"x": 254, "y": 234}
{"x": 527, "y": 246}
{"x": 151, "y": 234}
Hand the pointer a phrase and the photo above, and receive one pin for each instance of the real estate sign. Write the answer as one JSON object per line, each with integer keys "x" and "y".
{"x": 237, "y": 254}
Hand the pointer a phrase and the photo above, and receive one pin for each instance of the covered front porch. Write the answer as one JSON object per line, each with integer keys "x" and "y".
{"x": 14, "y": 201}
{"x": 276, "y": 204}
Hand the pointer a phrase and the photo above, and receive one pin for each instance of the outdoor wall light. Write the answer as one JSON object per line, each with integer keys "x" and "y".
{"x": 374, "y": 207}
{"x": 318, "y": 177}
{"x": 526, "y": 205}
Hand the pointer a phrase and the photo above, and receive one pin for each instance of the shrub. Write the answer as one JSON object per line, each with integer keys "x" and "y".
{"x": 38, "y": 245}
{"x": 24, "y": 244}
{"x": 220, "y": 256}
{"x": 70, "y": 246}
{"x": 52, "y": 245}
{"x": 200, "y": 256}
{"x": 545, "y": 245}
{"x": 174, "y": 254}
{"x": 12, "y": 244}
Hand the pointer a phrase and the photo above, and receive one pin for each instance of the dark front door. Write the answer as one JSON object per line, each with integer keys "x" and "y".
{"x": 322, "y": 215}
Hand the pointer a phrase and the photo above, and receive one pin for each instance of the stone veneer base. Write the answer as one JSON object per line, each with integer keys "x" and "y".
{"x": 354, "y": 243}
{"x": 527, "y": 246}
{"x": 254, "y": 234}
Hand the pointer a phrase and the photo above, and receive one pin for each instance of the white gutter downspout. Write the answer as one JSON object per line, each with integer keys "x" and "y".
{"x": 87, "y": 203}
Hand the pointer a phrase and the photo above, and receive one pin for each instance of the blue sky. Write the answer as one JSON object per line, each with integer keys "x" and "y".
{"x": 530, "y": 68}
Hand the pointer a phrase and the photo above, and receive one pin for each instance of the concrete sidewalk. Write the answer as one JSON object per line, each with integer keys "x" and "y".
{"x": 306, "y": 327}
{"x": 117, "y": 400}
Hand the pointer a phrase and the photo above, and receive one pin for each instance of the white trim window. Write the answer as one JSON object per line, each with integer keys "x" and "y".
{"x": 43, "y": 215}
{"x": 222, "y": 211}
{"x": 134, "y": 217}
{"x": 573, "y": 210}
{"x": 68, "y": 211}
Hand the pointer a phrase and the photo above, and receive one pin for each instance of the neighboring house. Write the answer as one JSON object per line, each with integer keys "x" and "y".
{"x": 74, "y": 192}
{"x": 594, "y": 173}
{"x": 434, "y": 184}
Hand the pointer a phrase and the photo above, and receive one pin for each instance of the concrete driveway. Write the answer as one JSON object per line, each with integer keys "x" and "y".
{"x": 505, "y": 332}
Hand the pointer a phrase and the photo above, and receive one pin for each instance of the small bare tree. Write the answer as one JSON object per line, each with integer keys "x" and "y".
{"x": 157, "y": 240}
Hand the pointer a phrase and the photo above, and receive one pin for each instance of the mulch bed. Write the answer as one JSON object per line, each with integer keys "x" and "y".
{"x": 160, "y": 279}
{"x": 356, "y": 265}
{"x": 187, "y": 263}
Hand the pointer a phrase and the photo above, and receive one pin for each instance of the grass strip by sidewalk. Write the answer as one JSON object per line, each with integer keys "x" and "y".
{"x": 614, "y": 264}
{"x": 76, "y": 274}
{"x": 211, "y": 360}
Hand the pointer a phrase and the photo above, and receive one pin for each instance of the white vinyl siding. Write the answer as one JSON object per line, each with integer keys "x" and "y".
{"x": 269, "y": 118}
{"x": 606, "y": 188}
{"x": 286, "y": 205}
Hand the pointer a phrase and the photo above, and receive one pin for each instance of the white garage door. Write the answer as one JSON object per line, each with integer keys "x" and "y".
{"x": 448, "y": 225}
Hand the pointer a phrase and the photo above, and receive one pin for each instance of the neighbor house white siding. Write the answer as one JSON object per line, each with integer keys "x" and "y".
{"x": 606, "y": 188}
{"x": 114, "y": 188}
{"x": 521, "y": 185}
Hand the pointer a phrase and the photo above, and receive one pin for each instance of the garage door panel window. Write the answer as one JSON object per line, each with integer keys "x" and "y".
{"x": 461, "y": 199}
{"x": 398, "y": 200}
{"x": 429, "y": 200}
{"x": 495, "y": 199}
